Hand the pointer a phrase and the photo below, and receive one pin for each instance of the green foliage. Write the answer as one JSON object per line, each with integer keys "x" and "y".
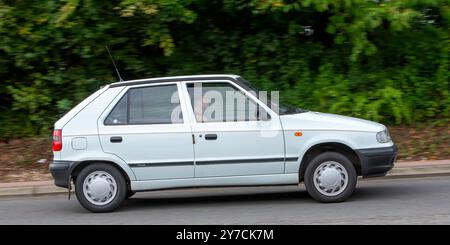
{"x": 382, "y": 60}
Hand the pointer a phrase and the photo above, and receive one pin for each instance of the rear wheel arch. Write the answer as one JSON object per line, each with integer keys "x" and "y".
{"x": 320, "y": 148}
{"x": 81, "y": 165}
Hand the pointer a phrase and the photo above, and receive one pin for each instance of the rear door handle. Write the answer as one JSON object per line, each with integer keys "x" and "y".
{"x": 116, "y": 139}
{"x": 210, "y": 136}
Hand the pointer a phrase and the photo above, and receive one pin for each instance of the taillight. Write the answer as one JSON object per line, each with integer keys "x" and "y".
{"x": 57, "y": 140}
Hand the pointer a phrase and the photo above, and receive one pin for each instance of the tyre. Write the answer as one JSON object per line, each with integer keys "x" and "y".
{"x": 100, "y": 188}
{"x": 330, "y": 177}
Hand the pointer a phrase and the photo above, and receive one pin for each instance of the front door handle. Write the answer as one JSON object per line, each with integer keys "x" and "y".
{"x": 210, "y": 136}
{"x": 116, "y": 139}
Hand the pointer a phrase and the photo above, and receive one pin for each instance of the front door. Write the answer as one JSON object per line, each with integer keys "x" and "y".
{"x": 145, "y": 127}
{"x": 232, "y": 137}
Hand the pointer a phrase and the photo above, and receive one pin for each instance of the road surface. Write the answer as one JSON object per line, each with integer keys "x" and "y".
{"x": 394, "y": 201}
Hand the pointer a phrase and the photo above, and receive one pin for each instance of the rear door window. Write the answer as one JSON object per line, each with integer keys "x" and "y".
{"x": 147, "y": 105}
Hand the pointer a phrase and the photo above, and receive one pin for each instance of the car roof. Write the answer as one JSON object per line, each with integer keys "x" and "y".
{"x": 174, "y": 79}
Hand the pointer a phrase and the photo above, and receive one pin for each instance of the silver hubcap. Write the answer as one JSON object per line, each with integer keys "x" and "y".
{"x": 330, "y": 178}
{"x": 99, "y": 188}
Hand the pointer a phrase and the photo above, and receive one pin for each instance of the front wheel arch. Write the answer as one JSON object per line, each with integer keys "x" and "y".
{"x": 318, "y": 149}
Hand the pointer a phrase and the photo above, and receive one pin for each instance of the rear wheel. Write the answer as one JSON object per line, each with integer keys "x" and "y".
{"x": 100, "y": 188}
{"x": 330, "y": 177}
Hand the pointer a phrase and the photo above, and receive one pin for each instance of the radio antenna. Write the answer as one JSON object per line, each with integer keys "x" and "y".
{"x": 114, "y": 63}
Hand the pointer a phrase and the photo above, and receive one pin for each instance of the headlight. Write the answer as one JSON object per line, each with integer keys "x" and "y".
{"x": 383, "y": 136}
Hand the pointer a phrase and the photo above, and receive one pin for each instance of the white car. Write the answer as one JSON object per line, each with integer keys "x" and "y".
{"x": 150, "y": 134}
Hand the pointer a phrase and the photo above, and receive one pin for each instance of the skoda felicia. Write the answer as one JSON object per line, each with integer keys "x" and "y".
{"x": 205, "y": 131}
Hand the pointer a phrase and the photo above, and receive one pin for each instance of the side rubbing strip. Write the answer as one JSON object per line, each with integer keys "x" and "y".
{"x": 291, "y": 159}
{"x": 160, "y": 164}
{"x": 237, "y": 161}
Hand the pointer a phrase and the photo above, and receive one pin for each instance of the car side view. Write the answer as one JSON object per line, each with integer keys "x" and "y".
{"x": 174, "y": 132}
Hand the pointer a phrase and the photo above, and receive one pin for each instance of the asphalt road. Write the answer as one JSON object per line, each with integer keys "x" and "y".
{"x": 395, "y": 201}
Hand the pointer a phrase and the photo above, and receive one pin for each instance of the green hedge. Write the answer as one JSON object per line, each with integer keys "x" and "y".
{"x": 382, "y": 60}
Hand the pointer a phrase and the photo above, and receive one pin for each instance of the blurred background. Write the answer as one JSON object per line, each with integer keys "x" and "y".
{"x": 386, "y": 61}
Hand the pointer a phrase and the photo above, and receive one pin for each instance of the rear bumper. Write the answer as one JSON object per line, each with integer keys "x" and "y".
{"x": 377, "y": 161}
{"x": 61, "y": 171}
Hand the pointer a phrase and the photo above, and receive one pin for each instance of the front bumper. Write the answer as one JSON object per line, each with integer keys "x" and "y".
{"x": 61, "y": 171}
{"x": 377, "y": 161}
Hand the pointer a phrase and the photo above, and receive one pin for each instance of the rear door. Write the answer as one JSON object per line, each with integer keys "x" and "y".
{"x": 145, "y": 127}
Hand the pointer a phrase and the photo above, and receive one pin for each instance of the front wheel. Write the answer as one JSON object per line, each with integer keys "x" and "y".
{"x": 100, "y": 188}
{"x": 330, "y": 177}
